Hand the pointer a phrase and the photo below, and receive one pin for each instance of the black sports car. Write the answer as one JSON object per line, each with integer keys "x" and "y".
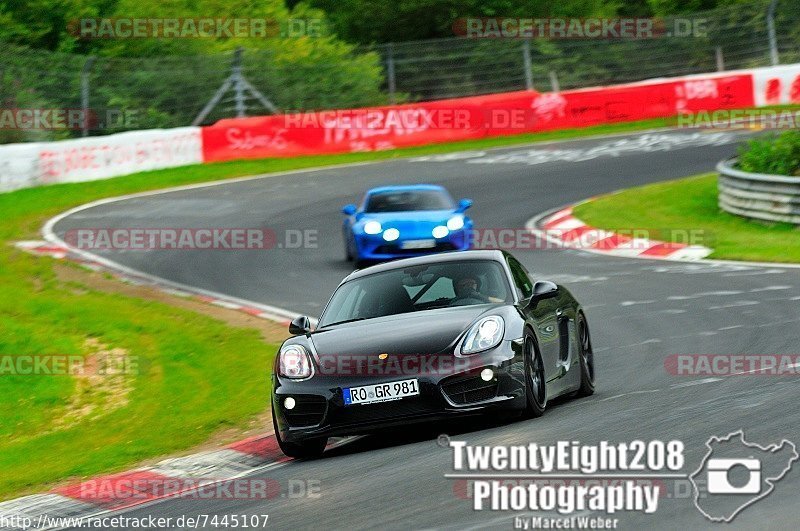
{"x": 429, "y": 338}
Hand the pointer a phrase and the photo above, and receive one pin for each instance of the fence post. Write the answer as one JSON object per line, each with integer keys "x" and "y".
{"x": 773, "y": 41}
{"x": 720, "y": 59}
{"x": 85, "y": 71}
{"x": 238, "y": 83}
{"x": 526, "y": 61}
{"x": 554, "y": 87}
{"x": 390, "y": 79}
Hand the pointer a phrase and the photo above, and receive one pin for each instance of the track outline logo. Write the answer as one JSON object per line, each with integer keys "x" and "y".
{"x": 753, "y": 465}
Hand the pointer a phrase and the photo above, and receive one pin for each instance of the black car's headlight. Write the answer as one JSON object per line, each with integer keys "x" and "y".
{"x": 485, "y": 334}
{"x": 294, "y": 362}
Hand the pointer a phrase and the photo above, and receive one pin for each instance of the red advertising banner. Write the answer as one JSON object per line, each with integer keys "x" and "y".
{"x": 641, "y": 101}
{"x": 396, "y": 126}
{"x": 368, "y": 129}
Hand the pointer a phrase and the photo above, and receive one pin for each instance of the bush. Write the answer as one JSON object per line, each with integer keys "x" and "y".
{"x": 775, "y": 154}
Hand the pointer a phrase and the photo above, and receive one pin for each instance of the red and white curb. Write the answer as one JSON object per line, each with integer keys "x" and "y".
{"x": 564, "y": 229}
{"x": 177, "y": 477}
{"x": 60, "y": 252}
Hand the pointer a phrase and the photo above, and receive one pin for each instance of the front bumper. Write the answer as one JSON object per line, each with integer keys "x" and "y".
{"x": 320, "y": 410}
{"x": 374, "y": 247}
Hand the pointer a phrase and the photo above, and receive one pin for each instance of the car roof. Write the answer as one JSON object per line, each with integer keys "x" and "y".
{"x": 406, "y": 188}
{"x": 494, "y": 255}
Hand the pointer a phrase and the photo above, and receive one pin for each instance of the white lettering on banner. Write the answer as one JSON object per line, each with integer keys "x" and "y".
{"x": 246, "y": 141}
{"x": 703, "y": 88}
{"x": 549, "y": 106}
{"x": 349, "y": 125}
{"x": 109, "y": 156}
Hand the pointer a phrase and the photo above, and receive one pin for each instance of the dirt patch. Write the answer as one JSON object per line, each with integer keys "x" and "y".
{"x": 271, "y": 331}
{"x": 102, "y": 384}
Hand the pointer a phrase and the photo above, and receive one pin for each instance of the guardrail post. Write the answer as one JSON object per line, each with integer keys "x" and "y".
{"x": 85, "y": 71}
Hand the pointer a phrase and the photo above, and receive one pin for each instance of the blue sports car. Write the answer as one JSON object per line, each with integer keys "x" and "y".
{"x": 404, "y": 221}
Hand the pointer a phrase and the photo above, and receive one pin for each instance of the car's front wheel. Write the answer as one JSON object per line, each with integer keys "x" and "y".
{"x": 309, "y": 449}
{"x": 587, "y": 358}
{"x": 535, "y": 392}
{"x": 348, "y": 254}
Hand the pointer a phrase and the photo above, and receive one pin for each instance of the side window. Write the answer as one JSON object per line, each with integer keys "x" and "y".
{"x": 522, "y": 281}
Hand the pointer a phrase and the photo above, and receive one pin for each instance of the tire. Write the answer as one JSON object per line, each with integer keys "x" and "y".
{"x": 535, "y": 382}
{"x": 348, "y": 255}
{"x": 310, "y": 449}
{"x": 587, "y": 358}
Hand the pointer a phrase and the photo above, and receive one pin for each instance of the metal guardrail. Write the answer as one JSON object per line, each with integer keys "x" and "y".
{"x": 758, "y": 196}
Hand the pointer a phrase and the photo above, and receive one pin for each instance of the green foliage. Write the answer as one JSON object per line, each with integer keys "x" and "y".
{"x": 774, "y": 154}
{"x": 165, "y": 82}
{"x": 371, "y": 21}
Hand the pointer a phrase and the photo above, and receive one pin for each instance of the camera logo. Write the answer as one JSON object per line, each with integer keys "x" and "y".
{"x": 719, "y": 482}
{"x": 735, "y": 474}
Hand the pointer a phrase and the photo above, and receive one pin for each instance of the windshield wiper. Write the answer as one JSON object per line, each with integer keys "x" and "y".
{"x": 347, "y": 321}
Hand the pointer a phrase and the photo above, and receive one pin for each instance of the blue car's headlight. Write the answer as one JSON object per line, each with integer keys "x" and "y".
{"x": 372, "y": 227}
{"x": 440, "y": 231}
{"x": 391, "y": 235}
{"x": 455, "y": 223}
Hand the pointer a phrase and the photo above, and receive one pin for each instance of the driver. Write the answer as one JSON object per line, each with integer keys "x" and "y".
{"x": 468, "y": 286}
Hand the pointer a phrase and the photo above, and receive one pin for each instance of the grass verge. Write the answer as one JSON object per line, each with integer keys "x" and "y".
{"x": 195, "y": 377}
{"x": 691, "y": 203}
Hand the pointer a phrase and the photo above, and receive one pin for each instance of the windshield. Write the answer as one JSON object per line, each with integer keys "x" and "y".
{"x": 408, "y": 200}
{"x": 418, "y": 288}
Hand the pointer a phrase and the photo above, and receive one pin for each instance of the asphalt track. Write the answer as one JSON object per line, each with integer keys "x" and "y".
{"x": 640, "y": 312}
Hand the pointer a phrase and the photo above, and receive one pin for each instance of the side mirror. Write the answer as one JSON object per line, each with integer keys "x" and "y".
{"x": 464, "y": 204}
{"x": 300, "y": 325}
{"x": 349, "y": 210}
{"x": 543, "y": 290}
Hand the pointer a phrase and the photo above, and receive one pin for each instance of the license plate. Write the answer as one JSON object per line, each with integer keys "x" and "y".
{"x": 418, "y": 244}
{"x": 385, "y": 392}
